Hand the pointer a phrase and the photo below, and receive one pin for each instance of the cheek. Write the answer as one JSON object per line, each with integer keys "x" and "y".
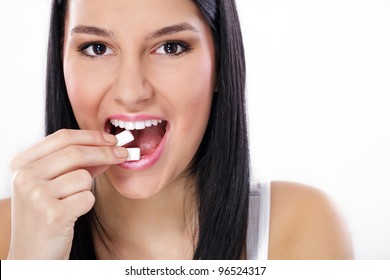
{"x": 83, "y": 94}
{"x": 198, "y": 93}
{"x": 190, "y": 93}
{"x": 191, "y": 98}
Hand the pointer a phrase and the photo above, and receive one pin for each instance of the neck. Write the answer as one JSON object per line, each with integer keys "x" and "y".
{"x": 160, "y": 227}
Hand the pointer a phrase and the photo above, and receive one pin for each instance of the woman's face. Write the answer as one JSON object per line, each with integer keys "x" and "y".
{"x": 134, "y": 63}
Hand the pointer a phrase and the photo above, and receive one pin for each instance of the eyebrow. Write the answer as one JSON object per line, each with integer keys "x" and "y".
{"x": 92, "y": 30}
{"x": 172, "y": 29}
{"x": 165, "y": 31}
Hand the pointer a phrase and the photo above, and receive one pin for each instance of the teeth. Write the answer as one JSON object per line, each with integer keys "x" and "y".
{"x": 129, "y": 126}
{"x": 134, "y": 125}
{"x": 140, "y": 125}
{"x": 121, "y": 124}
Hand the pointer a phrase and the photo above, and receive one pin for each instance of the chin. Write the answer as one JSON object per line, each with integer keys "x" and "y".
{"x": 137, "y": 187}
{"x": 137, "y": 193}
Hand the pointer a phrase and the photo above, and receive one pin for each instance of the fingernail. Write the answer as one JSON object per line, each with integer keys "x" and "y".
{"x": 109, "y": 138}
{"x": 121, "y": 152}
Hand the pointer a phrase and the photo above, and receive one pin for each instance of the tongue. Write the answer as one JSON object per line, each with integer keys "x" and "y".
{"x": 148, "y": 139}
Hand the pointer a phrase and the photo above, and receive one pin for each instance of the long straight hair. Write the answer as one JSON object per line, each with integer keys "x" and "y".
{"x": 221, "y": 165}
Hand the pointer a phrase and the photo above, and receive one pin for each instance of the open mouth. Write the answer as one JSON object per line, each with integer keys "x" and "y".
{"x": 147, "y": 134}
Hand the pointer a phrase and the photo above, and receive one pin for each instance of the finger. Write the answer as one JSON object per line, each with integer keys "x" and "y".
{"x": 78, "y": 204}
{"x": 59, "y": 140}
{"x": 71, "y": 183}
{"x": 97, "y": 170}
{"x": 75, "y": 157}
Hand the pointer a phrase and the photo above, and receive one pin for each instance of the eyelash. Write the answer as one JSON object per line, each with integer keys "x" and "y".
{"x": 184, "y": 46}
{"x": 82, "y": 49}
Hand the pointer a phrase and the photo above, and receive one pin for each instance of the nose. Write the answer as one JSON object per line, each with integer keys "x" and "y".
{"x": 132, "y": 87}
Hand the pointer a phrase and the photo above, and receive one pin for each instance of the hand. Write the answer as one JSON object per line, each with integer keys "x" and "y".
{"x": 51, "y": 189}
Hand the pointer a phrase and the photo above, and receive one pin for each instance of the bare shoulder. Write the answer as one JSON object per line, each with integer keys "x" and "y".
{"x": 5, "y": 229}
{"x": 305, "y": 225}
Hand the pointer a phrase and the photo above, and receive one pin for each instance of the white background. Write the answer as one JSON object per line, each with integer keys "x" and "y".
{"x": 318, "y": 97}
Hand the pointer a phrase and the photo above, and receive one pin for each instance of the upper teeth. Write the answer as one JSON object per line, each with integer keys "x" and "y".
{"x": 134, "y": 125}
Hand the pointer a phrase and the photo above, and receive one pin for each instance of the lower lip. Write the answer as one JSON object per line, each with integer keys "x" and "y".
{"x": 149, "y": 160}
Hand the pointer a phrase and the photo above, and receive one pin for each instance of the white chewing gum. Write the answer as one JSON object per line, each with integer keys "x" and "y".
{"x": 124, "y": 137}
{"x": 134, "y": 154}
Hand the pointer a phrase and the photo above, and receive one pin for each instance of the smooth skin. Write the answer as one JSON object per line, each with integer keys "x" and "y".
{"x": 148, "y": 214}
{"x": 303, "y": 226}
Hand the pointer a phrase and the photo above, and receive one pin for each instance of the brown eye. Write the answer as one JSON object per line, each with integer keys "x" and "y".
{"x": 172, "y": 48}
{"x": 99, "y": 49}
{"x": 96, "y": 50}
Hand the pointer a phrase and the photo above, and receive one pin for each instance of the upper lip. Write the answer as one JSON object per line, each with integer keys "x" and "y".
{"x": 134, "y": 118}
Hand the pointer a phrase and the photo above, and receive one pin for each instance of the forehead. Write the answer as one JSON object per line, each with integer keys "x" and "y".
{"x": 133, "y": 15}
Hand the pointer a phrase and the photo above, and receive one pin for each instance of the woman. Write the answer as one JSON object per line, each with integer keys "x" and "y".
{"x": 173, "y": 73}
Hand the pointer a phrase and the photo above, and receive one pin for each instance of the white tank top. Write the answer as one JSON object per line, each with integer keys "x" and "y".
{"x": 257, "y": 237}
